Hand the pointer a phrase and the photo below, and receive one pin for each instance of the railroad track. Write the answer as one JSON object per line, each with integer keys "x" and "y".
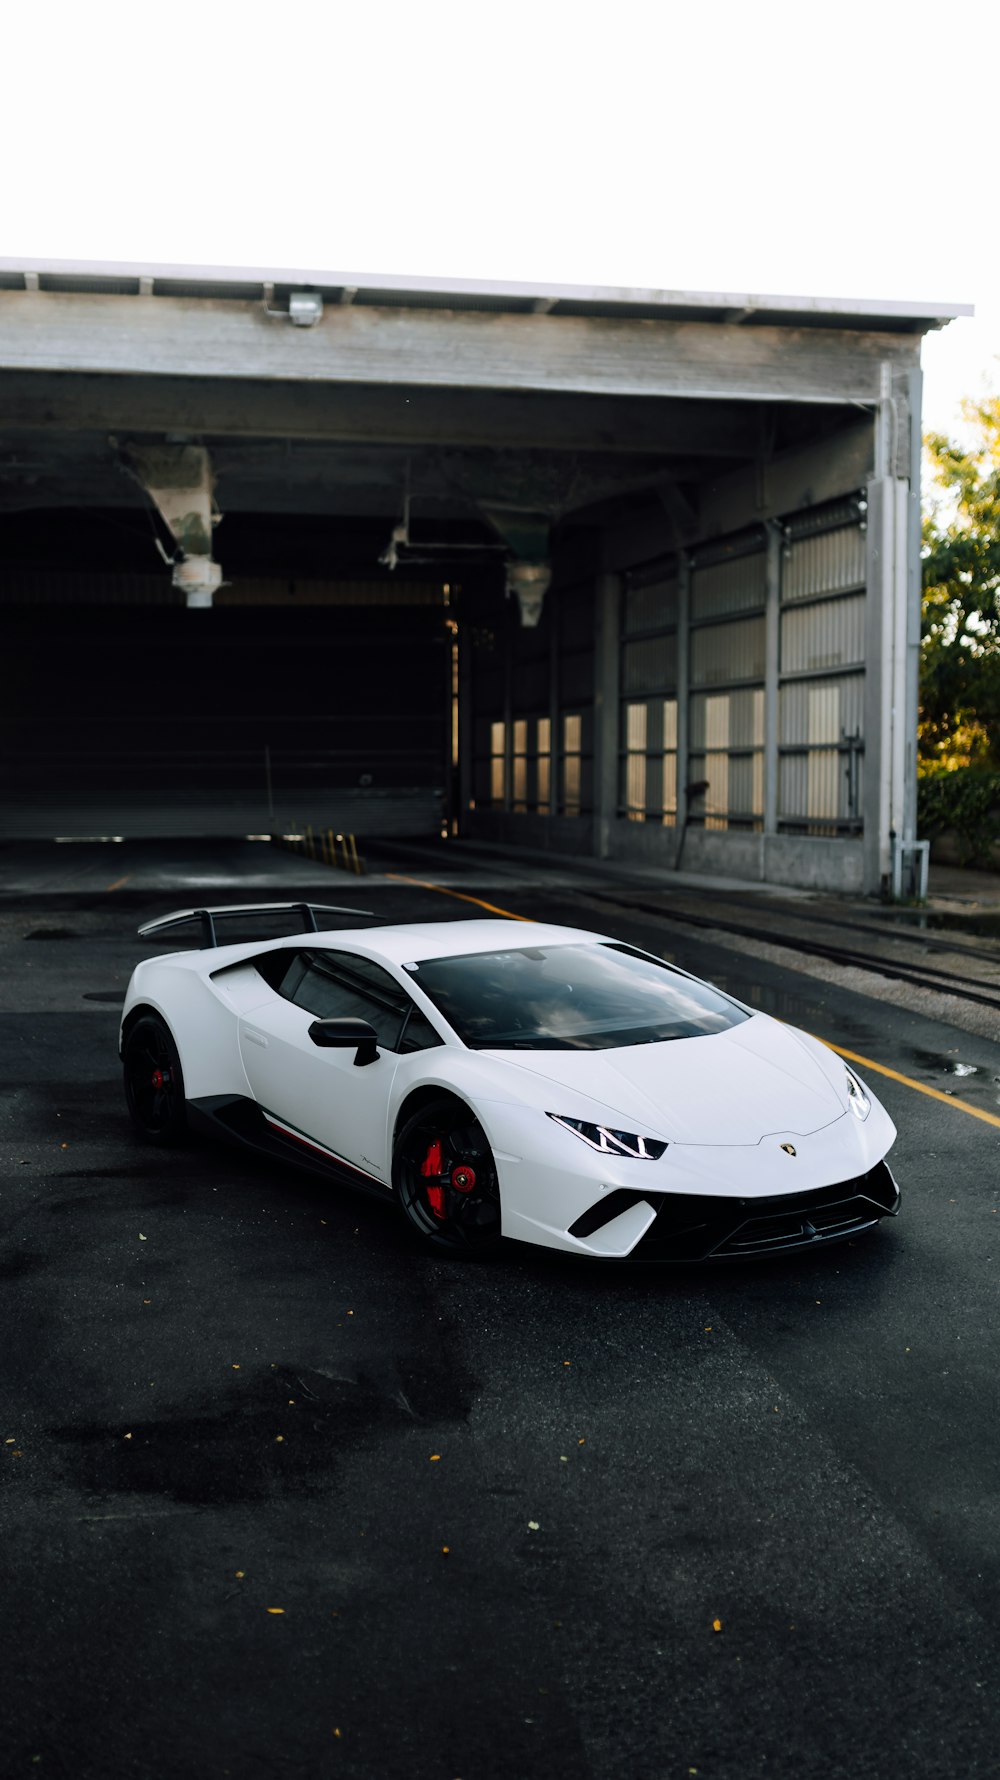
{"x": 920, "y": 976}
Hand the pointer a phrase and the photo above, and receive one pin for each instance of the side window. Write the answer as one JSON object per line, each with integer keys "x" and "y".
{"x": 332, "y": 985}
{"x": 275, "y": 966}
{"x": 419, "y": 1034}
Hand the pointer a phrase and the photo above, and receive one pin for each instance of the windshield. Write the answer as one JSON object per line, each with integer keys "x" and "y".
{"x": 589, "y": 997}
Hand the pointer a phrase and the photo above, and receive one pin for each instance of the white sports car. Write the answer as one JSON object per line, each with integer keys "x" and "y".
{"x": 494, "y": 1079}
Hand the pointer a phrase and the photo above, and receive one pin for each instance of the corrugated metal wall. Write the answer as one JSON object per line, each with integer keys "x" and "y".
{"x": 830, "y": 634}
{"x": 724, "y": 654}
{"x": 821, "y": 696}
{"x": 830, "y": 562}
{"x": 821, "y": 680}
{"x": 533, "y": 745}
{"x": 535, "y": 756}
{"x": 647, "y": 752}
{"x": 726, "y": 754}
{"x": 735, "y": 584}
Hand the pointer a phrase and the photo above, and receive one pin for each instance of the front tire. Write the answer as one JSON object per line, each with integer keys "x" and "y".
{"x": 154, "y": 1082}
{"x": 446, "y": 1179}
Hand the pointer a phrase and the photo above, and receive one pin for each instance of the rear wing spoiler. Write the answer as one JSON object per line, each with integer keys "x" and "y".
{"x": 306, "y": 911}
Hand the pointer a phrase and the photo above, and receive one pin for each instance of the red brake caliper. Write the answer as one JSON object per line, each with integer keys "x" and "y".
{"x": 463, "y": 1178}
{"x": 430, "y": 1168}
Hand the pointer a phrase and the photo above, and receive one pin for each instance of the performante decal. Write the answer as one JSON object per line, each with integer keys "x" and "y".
{"x": 320, "y": 1149}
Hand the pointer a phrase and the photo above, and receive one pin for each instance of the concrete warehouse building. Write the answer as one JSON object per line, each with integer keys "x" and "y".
{"x": 632, "y": 574}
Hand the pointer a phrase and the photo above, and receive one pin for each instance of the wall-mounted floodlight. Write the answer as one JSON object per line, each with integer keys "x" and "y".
{"x": 305, "y": 308}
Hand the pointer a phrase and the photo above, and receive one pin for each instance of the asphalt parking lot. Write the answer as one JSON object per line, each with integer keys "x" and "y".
{"x": 283, "y": 1494}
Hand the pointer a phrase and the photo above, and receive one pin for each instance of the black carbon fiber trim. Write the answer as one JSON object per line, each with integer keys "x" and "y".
{"x": 688, "y": 1227}
{"x": 604, "y": 1210}
{"x": 243, "y": 1122}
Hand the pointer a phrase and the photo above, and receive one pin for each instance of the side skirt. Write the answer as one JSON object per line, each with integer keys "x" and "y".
{"x": 242, "y": 1122}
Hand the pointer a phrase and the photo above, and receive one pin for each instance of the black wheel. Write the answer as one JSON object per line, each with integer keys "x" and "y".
{"x": 154, "y": 1084}
{"x": 444, "y": 1173}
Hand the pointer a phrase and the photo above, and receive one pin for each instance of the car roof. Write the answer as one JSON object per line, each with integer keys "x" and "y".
{"x": 448, "y": 939}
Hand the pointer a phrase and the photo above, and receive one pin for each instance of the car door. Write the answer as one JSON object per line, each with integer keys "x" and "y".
{"x": 321, "y": 1098}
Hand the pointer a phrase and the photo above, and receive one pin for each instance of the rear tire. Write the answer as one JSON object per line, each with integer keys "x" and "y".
{"x": 154, "y": 1082}
{"x": 446, "y": 1179}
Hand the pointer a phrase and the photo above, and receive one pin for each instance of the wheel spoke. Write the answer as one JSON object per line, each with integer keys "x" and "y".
{"x": 154, "y": 1084}
{"x": 448, "y": 1184}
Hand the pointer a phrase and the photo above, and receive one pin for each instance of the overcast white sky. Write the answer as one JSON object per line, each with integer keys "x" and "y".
{"x": 778, "y": 148}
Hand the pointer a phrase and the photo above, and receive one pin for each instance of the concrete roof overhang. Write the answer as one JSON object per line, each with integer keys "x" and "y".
{"x": 479, "y": 397}
{"x": 112, "y": 277}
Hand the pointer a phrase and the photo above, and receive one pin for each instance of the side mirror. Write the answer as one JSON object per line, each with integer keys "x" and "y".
{"x": 346, "y": 1034}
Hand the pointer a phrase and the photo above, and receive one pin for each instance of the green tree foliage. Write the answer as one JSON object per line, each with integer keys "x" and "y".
{"x": 960, "y": 661}
{"x": 965, "y": 804}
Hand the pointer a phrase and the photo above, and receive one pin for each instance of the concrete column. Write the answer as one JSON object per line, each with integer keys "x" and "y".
{"x": 914, "y": 606}
{"x": 607, "y": 628}
{"x": 555, "y": 735}
{"x": 683, "y": 698}
{"x": 508, "y": 703}
{"x": 892, "y": 638}
{"x": 772, "y": 663}
{"x": 466, "y": 728}
{"x": 885, "y": 678}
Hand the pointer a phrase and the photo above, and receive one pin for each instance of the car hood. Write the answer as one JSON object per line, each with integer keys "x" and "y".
{"x": 734, "y": 1087}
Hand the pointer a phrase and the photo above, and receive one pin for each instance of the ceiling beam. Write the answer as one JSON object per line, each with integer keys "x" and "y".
{"x": 269, "y": 475}
{"x": 444, "y": 349}
{"x": 65, "y": 402}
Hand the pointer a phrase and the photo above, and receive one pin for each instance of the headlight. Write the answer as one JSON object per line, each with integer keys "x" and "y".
{"x": 613, "y": 1143}
{"x": 857, "y": 1099}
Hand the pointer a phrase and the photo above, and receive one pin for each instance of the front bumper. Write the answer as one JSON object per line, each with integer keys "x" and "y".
{"x": 689, "y": 1227}
{"x": 699, "y": 1201}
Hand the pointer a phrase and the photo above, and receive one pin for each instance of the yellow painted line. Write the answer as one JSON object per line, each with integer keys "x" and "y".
{"x": 422, "y": 884}
{"x": 118, "y": 882}
{"x": 974, "y": 1112}
{"x": 907, "y": 1081}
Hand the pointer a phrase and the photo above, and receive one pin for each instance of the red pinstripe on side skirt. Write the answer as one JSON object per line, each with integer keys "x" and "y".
{"x": 309, "y": 1143}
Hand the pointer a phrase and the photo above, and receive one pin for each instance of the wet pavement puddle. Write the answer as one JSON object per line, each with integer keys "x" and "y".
{"x": 976, "y": 1078}
{"x": 283, "y": 1433}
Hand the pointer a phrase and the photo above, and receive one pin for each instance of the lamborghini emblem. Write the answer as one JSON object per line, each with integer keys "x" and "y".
{"x": 789, "y": 1149}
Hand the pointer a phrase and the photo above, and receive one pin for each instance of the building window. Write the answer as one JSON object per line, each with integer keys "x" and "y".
{"x": 727, "y": 758}
{"x": 821, "y": 760}
{"x": 497, "y": 762}
{"x": 649, "y": 775}
{"x": 520, "y": 765}
{"x": 636, "y": 725}
{"x": 543, "y": 766}
{"x": 531, "y": 765}
{"x": 821, "y": 700}
{"x": 572, "y": 741}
